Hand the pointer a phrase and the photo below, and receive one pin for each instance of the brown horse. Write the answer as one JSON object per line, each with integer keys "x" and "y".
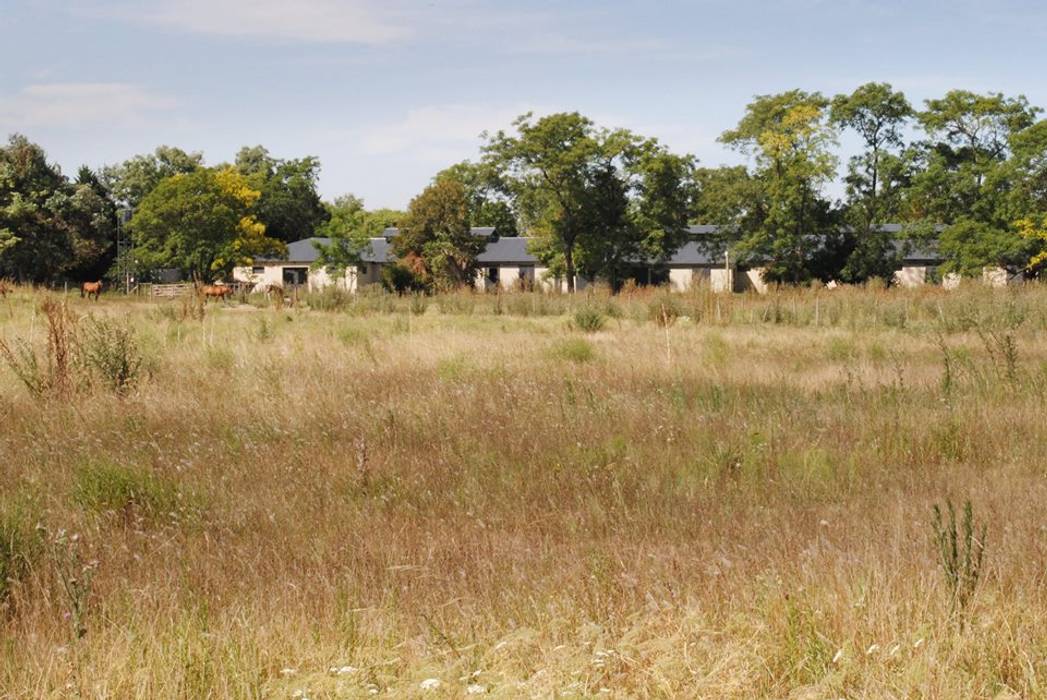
{"x": 216, "y": 291}
{"x": 89, "y": 289}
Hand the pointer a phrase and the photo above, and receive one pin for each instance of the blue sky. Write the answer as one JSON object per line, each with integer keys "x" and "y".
{"x": 387, "y": 93}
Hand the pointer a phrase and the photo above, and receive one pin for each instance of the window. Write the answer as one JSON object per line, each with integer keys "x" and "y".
{"x": 295, "y": 275}
{"x": 363, "y": 269}
{"x": 257, "y": 270}
{"x": 492, "y": 274}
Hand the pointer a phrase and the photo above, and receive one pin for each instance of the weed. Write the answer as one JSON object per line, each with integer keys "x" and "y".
{"x": 589, "y": 320}
{"x": 20, "y": 542}
{"x": 111, "y": 351}
{"x": 960, "y": 552}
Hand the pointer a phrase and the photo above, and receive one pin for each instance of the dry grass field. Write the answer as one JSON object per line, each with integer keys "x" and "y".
{"x": 484, "y": 496}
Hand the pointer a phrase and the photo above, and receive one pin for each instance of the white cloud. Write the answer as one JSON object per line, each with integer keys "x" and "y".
{"x": 69, "y": 105}
{"x": 320, "y": 21}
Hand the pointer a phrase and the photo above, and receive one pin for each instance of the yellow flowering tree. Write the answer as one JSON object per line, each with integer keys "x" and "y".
{"x": 202, "y": 223}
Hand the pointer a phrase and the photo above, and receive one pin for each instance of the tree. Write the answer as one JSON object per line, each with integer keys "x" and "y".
{"x": 876, "y": 179}
{"x": 49, "y": 227}
{"x": 130, "y": 181}
{"x": 202, "y": 223}
{"x": 791, "y": 140}
{"x": 437, "y": 232}
{"x": 967, "y": 181}
{"x": 289, "y": 205}
{"x": 595, "y": 199}
{"x": 349, "y": 230}
{"x": 489, "y": 204}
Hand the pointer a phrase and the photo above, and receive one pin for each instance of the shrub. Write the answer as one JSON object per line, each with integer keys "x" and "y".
{"x": 589, "y": 320}
{"x": 106, "y": 487}
{"x": 573, "y": 350}
{"x": 110, "y": 350}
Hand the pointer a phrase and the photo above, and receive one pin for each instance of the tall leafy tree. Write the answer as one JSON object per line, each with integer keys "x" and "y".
{"x": 203, "y": 223}
{"x": 595, "y": 199}
{"x": 50, "y": 228}
{"x": 966, "y": 181}
{"x": 489, "y": 204}
{"x": 130, "y": 181}
{"x": 347, "y": 233}
{"x": 876, "y": 179}
{"x": 791, "y": 140}
{"x": 435, "y": 237}
{"x": 289, "y": 205}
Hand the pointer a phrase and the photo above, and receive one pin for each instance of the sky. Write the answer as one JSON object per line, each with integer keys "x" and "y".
{"x": 386, "y": 93}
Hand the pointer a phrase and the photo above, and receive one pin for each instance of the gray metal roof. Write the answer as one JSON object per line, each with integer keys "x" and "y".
{"x": 514, "y": 250}
{"x": 511, "y": 250}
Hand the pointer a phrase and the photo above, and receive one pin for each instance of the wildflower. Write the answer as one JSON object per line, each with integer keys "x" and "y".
{"x": 341, "y": 670}
{"x": 475, "y": 689}
{"x": 430, "y": 684}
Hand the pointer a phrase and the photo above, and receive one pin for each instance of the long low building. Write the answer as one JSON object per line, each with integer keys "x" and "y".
{"x": 507, "y": 263}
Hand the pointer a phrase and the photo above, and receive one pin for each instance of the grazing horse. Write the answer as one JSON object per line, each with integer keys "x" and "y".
{"x": 89, "y": 289}
{"x": 216, "y": 291}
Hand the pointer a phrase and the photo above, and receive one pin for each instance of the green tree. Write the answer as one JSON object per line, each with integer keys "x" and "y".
{"x": 201, "y": 222}
{"x": 876, "y": 179}
{"x": 348, "y": 232}
{"x": 437, "y": 232}
{"x": 49, "y": 228}
{"x": 595, "y": 199}
{"x": 130, "y": 181}
{"x": 489, "y": 204}
{"x": 791, "y": 140}
{"x": 289, "y": 205}
{"x": 967, "y": 182}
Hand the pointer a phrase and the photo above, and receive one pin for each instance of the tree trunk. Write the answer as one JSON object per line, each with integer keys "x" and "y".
{"x": 568, "y": 258}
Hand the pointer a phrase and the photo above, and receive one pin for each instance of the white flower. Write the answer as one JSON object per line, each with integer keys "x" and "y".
{"x": 475, "y": 689}
{"x": 430, "y": 684}
{"x": 342, "y": 670}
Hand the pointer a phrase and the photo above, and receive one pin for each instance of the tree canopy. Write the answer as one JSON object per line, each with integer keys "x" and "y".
{"x": 203, "y": 223}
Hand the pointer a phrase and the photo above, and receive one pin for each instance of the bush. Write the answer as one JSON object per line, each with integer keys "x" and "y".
{"x": 105, "y": 487}
{"x": 110, "y": 350}
{"x": 589, "y": 320}
{"x": 573, "y": 350}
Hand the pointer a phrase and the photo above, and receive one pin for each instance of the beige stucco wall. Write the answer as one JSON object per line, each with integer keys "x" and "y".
{"x": 272, "y": 273}
{"x": 911, "y": 276}
{"x": 753, "y": 279}
{"x": 721, "y": 279}
{"x": 998, "y": 277}
{"x": 681, "y": 278}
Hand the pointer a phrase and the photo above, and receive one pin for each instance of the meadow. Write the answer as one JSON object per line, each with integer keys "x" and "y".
{"x": 525, "y": 495}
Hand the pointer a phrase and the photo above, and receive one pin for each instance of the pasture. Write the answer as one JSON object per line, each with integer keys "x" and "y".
{"x": 524, "y": 496}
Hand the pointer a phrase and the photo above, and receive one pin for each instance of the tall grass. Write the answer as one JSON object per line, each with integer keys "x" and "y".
{"x": 366, "y": 498}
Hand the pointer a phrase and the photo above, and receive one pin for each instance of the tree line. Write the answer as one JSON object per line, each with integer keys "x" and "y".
{"x": 966, "y": 173}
